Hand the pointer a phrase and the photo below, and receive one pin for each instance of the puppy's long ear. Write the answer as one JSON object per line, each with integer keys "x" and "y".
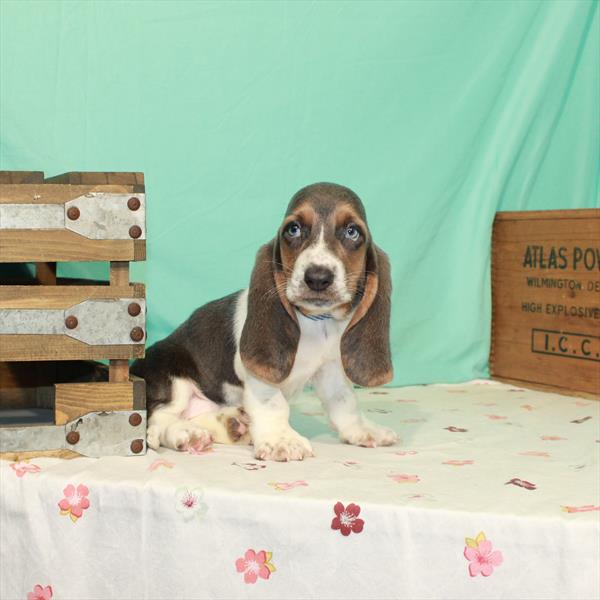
{"x": 270, "y": 334}
{"x": 365, "y": 344}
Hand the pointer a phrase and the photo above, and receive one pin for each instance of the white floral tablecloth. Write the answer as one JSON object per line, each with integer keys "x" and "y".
{"x": 493, "y": 493}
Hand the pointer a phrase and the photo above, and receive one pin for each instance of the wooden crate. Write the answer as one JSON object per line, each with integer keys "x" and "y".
{"x": 546, "y": 300}
{"x": 47, "y": 323}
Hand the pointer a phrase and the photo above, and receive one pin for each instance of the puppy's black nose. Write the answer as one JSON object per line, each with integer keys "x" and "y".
{"x": 318, "y": 278}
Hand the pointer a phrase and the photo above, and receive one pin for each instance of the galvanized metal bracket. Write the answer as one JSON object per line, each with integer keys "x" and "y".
{"x": 117, "y": 433}
{"x": 96, "y": 216}
{"x": 106, "y": 322}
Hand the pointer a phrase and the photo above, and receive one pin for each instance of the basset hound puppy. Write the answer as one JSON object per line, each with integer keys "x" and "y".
{"x": 317, "y": 311}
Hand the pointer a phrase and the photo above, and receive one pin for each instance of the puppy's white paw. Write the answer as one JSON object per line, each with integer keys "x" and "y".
{"x": 282, "y": 445}
{"x": 368, "y": 434}
{"x": 181, "y": 434}
{"x": 153, "y": 437}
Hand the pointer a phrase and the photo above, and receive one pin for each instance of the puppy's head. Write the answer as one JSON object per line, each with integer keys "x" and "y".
{"x": 323, "y": 260}
{"x": 323, "y": 244}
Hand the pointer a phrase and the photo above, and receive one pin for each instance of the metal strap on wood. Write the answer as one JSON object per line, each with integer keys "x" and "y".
{"x": 106, "y": 322}
{"x": 96, "y": 216}
{"x": 95, "y": 434}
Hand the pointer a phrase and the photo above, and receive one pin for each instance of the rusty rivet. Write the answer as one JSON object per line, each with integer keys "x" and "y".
{"x": 133, "y": 203}
{"x": 134, "y": 309}
{"x": 73, "y": 213}
{"x": 135, "y": 231}
{"x": 137, "y": 334}
{"x": 135, "y": 419}
{"x": 137, "y": 446}
{"x": 73, "y": 437}
{"x": 71, "y": 322}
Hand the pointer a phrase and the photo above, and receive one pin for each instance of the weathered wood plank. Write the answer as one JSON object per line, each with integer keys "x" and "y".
{"x": 51, "y": 193}
{"x": 63, "y": 296}
{"x": 61, "y": 245}
{"x": 60, "y": 347}
{"x": 73, "y": 400}
{"x": 119, "y": 273}
{"x": 21, "y": 177}
{"x": 20, "y": 456}
{"x": 45, "y": 273}
{"x": 99, "y": 178}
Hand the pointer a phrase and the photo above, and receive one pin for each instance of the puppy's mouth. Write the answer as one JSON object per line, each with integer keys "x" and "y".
{"x": 316, "y": 303}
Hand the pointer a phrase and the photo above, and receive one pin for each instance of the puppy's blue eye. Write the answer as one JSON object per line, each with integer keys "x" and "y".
{"x": 352, "y": 233}
{"x": 293, "y": 230}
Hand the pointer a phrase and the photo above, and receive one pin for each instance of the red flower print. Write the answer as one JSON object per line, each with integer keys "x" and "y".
{"x": 254, "y": 565}
{"x": 346, "y": 519}
{"x": 74, "y": 502}
{"x": 482, "y": 559}
{"x": 40, "y": 593}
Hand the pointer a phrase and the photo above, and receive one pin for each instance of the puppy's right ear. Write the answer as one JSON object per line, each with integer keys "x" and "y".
{"x": 271, "y": 333}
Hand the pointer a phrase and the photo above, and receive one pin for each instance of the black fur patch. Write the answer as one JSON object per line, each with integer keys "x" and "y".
{"x": 201, "y": 349}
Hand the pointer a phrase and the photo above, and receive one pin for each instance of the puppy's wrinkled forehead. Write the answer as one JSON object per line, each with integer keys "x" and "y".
{"x": 324, "y": 199}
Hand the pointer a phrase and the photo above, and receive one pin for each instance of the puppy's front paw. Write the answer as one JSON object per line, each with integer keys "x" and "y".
{"x": 368, "y": 434}
{"x": 282, "y": 445}
{"x": 183, "y": 434}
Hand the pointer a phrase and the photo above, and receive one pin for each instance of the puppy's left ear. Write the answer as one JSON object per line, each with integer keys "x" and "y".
{"x": 365, "y": 344}
{"x": 271, "y": 333}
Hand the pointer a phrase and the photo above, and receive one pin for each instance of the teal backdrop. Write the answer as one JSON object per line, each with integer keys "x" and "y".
{"x": 436, "y": 113}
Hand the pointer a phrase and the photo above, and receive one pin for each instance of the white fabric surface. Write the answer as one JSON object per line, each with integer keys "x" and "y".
{"x": 419, "y": 501}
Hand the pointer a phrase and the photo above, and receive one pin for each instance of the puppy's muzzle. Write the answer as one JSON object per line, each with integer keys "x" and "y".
{"x": 318, "y": 278}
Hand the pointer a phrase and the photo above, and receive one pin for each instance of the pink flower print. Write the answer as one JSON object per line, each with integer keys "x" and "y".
{"x": 404, "y": 478}
{"x": 23, "y": 466}
{"x": 577, "y": 509}
{"x": 346, "y": 519}
{"x": 289, "y": 486}
{"x": 553, "y": 438}
{"x": 74, "y": 502}
{"x": 535, "y": 453}
{"x": 482, "y": 559}
{"x": 458, "y": 463}
{"x": 160, "y": 462}
{"x": 40, "y": 593}
{"x": 495, "y": 417}
{"x": 189, "y": 503}
{"x": 405, "y": 452}
{"x": 254, "y": 565}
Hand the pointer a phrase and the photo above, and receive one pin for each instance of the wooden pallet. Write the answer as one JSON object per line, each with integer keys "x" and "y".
{"x": 47, "y": 321}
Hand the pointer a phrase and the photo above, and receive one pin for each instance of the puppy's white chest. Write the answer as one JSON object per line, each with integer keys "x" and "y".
{"x": 319, "y": 343}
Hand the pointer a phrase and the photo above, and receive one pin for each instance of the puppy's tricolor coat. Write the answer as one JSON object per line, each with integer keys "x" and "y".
{"x": 317, "y": 310}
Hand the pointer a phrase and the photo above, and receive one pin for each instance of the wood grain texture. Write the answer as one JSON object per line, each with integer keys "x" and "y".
{"x": 20, "y": 456}
{"x": 21, "y": 177}
{"x": 118, "y": 371}
{"x": 63, "y": 296}
{"x": 546, "y": 300}
{"x": 73, "y": 400}
{"x": 99, "y": 178}
{"x": 50, "y": 193}
{"x": 62, "y": 245}
{"x": 60, "y": 347}
{"x": 45, "y": 273}
{"x": 119, "y": 273}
